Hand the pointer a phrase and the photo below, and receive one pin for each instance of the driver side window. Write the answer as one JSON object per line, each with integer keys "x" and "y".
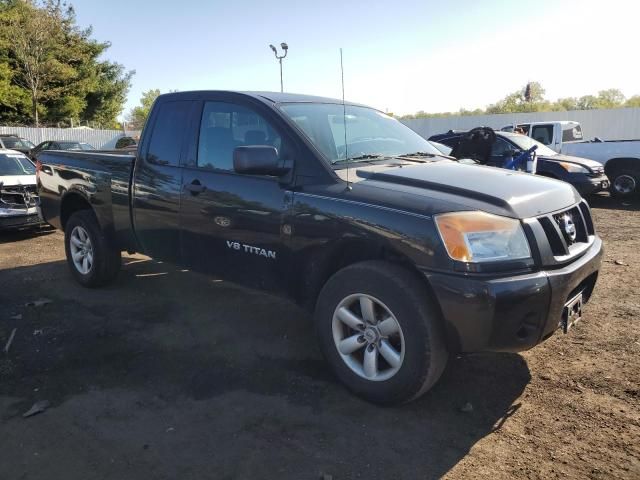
{"x": 225, "y": 126}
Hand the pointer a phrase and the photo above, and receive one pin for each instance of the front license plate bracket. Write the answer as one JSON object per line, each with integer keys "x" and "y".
{"x": 571, "y": 313}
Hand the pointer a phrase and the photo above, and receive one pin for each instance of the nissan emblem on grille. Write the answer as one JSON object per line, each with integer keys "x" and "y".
{"x": 568, "y": 228}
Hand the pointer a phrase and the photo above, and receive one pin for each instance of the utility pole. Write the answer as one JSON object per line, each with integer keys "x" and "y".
{"x": 285, "y": 49}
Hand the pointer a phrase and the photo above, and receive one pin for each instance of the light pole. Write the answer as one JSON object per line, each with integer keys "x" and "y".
{"x": 285, "y": 49}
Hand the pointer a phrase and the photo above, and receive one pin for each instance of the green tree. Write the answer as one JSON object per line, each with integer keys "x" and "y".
{"x": 611, "y": 98}
{"x": 569, "y": 103}
{"x": 57, "y": 65}
{"x": 588, "y": 102}
{"x": 519, "y": 101}
{"x": 139, "y": 114}
{"x": 633, "y": 102}
{"x": 32, "y": 34}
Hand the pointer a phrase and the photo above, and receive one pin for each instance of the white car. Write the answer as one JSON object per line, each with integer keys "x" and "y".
{"x": 19, "y": 203}
{"x": 621, "y": 158}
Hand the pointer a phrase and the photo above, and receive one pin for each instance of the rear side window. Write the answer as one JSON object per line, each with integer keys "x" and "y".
{"x": 571, "y": 133}
{"x": 543, "y": 134}
{"x": 168, "y": 132}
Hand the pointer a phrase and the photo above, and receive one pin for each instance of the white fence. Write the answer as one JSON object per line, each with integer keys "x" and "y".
{"x": 613, "y": 124}
{"x": 102, "y": 139}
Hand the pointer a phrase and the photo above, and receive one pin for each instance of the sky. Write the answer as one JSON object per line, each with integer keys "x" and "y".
{"x": 399, "y": 56}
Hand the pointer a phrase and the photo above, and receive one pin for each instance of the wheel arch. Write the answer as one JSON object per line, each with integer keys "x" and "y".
{"x": 321, "y": 264}
{"x": 622, "y": 163}
{"x": 72, "y": 202}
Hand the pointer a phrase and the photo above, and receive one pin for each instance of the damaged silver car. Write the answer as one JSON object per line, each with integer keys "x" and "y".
{"x": 19, "y": 202}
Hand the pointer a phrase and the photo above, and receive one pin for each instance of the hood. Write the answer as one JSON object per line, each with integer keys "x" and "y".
{"x": 494, "y": 190}
{"x": 585, "y": 162}
{"x": 11, "y": 180}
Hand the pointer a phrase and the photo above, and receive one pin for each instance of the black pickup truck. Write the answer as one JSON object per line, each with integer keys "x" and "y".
{"x": 403, "y": 255}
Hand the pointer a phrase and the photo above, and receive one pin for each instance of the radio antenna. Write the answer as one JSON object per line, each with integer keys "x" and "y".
{"x": 344, "y": 121}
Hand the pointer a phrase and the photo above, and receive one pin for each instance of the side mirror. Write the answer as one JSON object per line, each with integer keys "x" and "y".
{"x": 258, "y": 160}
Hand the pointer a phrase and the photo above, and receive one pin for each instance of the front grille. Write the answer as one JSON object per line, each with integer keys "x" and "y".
{"x": 568, "y": 232}
{"x": 19, "y": 196}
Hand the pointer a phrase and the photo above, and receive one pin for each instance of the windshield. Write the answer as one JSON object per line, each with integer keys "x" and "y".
{"x": 525, "y": 143}
{"x": 445, "y": 149}
{"x": 14, "y": 142}
{"x": 15, "y": 164}
{"x": 370, "y": 133}
{"x": 75, "y": 146}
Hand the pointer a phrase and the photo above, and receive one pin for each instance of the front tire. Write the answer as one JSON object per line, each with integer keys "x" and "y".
{"x": 625, "y": 183}
{"x": 92, "y": 258}
{"x": 380, "y": 331}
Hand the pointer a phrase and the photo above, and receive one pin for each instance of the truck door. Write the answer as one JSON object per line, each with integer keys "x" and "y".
{"x": 158, "y": 180}
{"x": 232, "y": 223}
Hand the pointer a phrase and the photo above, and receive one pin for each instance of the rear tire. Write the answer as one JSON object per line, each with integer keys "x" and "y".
{"x": 402, "y": 330}
{"x": 624, "y": 183}
{"x": 93, "y": 259}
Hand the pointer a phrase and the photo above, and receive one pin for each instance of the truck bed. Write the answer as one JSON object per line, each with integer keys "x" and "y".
{"x": 603, "y": 151}
{"x": 100, "y": 178}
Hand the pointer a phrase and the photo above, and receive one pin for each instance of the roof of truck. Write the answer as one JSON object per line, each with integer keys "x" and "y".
{"x": 271, "y": 97}
{"x": 278, "y": 97}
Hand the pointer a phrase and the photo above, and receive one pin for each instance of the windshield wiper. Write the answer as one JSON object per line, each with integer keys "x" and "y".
{"x": 359, "y": 158}
{"x": 418, "y": 154}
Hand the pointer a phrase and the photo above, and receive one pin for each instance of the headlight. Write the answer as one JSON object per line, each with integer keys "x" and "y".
{"x": 574, "y": 167}
{"x": 482, "y": 237}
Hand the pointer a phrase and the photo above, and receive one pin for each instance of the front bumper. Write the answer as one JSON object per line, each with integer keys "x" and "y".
{"x": 590, "y": 185}
{"x": 25, "y": 219}
{"x": 513, "y": 313}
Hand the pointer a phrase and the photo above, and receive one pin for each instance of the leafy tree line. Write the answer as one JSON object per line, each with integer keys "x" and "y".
{"x": 531, "y": 99}
{"x": 50, "y": 68}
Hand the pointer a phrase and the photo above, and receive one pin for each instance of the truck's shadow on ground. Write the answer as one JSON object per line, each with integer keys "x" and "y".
{"x": 237, "y": 372}
{"x": 11, "y": 236}
{"x": 606, "y": 201}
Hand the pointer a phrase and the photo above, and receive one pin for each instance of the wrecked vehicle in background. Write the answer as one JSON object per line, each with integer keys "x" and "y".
{"x": 19, "y": 201}
{"x": 497, "y": 148}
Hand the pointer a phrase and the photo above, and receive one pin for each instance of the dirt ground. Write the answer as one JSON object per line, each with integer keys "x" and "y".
{"x": 171, "y": 375}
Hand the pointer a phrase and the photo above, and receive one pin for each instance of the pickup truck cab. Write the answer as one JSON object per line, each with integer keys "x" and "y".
{"x": 403, "y": 255}
{"x": 621, "y": 158}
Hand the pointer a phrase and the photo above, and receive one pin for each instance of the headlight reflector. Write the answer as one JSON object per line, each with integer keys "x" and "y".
{"x": 482, "y": 237}
{"x": 573, "y": 167}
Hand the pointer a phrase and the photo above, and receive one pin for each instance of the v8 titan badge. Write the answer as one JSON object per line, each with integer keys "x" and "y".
{"x": 243, "y": 247}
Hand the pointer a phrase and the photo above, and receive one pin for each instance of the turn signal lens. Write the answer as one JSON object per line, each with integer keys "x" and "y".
{"x": 482, "y": 237}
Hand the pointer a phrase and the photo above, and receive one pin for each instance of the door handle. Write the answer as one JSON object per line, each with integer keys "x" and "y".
{"x": 195, "y": 187}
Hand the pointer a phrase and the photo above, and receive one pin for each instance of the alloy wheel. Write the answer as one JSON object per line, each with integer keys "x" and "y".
{"x": 81, "y": 250}
{"x": 624, "y": 184}
{"x": 368, "y": 337}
